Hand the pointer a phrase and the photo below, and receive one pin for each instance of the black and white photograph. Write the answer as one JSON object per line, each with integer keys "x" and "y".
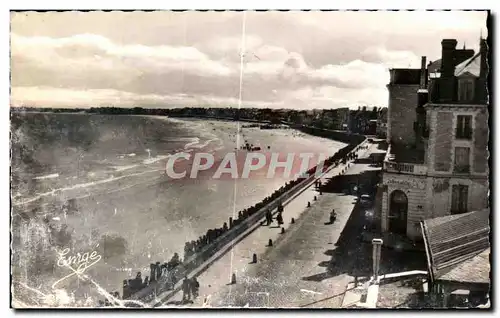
{"x": 184, "y": 159}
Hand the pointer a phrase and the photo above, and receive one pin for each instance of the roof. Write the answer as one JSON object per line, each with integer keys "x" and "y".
{"x": 455, "y": 246}
{"x": 471, "y": 66}
{"x": 474, "y": 270}
{"x": 434, "y": 67}
{"x": 405, "y": 76}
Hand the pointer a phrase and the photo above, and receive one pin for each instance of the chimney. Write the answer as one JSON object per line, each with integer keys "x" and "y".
{"x": 447, "y": 80}
{"x": 423, "y": 73}
{"x": 447, "y": 57}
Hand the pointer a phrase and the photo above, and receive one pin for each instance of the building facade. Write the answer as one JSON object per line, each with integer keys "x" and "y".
{"x": 341, "y": 118}
{"x": 382, "y": 123}
{"x": 443, "y": 168}
{"x": 402, "y": 87}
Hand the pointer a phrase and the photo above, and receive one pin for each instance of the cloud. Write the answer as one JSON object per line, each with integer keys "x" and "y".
{"x": 100, "y": 69}
{"x": 94, "y": 51}
{"x": 391, "y": 59}
{"x": 162, "y": 57}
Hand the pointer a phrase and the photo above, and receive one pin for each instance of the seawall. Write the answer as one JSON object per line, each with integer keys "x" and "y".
{"x": 226, "y": 239}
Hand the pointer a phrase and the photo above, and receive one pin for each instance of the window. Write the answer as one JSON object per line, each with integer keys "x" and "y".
{"x": 459, "y": 199}
{"x": 465, "y": 90}
{"x": 462, "y": 159}
{"x": 464, "y": 127}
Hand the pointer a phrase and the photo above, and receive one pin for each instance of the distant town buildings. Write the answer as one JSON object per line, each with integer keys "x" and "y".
{"x": 341, "y": 118}
{"x": 382, "y": 123}
{"x": 437, "y": 159}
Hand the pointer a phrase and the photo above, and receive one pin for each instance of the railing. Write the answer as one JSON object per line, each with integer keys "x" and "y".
{"x": 402, "y": 167}
{"x": 406, "y": 168}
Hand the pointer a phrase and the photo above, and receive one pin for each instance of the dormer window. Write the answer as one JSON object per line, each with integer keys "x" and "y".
{"x": 465, "y": 89}
{"x": 435, "y": 75}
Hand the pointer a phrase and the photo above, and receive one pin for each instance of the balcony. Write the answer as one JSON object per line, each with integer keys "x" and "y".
{"x": 405, "y": 160}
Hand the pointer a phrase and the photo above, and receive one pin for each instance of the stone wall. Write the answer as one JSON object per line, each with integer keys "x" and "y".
{"x": 415, "y": 188}
{"x": 401, "y": 115}
{"x": 480, "y": 150}
{"x": 429, "y": 197}
{"x": 442, "y": 189}
{"x": 442, "y": 141}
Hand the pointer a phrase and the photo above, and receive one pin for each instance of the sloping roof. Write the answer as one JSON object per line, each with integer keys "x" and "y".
{"x": 473, "y": 270}
{"x": 434, "y": 66}
{"x": 452, "y": 240}
{"x": 470, "y": 66}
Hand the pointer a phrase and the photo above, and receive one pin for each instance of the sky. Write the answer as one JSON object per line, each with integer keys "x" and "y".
{"x": 300, "y": 60}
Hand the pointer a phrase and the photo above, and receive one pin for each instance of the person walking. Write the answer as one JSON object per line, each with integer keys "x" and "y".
{"x": 269, "y": 217}
{"x": 195, "y": 287}
{"x": 279, "y": 218}
{"x": 186, "y": 290}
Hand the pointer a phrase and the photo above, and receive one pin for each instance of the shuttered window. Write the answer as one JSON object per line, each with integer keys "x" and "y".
{"x": 462, "y": 159}
{"x": 466, "y": 90}
{"x": 463, "y": 129}
{"x": 459, "y": 199}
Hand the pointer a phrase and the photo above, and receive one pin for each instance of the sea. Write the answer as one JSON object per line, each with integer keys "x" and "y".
{"x": 126, "y": 210}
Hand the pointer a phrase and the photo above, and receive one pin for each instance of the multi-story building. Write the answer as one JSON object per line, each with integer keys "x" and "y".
{"x": 402, "y": 87}
{"x": 437, "y": 163}
{"x": 382, "y": 123}
{"x": 341, "y": 118}
{"x": 359, "y": 121}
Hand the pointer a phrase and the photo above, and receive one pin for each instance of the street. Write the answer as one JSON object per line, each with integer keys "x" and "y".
{"x": 303, "y": 268}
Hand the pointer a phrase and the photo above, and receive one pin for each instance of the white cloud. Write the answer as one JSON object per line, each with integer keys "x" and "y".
{"x": 393, "y": 58}
{"x": 355, "y": 74}
{"x": 297, "y": 59}
{"x": 88, "y": 69}
{"x": 94, "y": 51}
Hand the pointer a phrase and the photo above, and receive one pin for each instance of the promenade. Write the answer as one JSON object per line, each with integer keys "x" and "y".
{"x": 293, "y": 272}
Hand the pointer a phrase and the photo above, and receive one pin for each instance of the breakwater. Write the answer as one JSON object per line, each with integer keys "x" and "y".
{"x": 163, "y": 277}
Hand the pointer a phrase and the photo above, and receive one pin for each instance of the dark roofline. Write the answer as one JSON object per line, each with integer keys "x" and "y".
{"x": 428, "y": 253}
{"x": 404, "y": 76}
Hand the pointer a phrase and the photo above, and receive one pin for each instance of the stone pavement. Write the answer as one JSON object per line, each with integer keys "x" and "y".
{"x": 295, "y": 271}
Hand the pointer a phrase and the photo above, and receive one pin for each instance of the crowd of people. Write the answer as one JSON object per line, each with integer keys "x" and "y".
{"x": 190, "y": 287}
{"x": 192, "y": 249}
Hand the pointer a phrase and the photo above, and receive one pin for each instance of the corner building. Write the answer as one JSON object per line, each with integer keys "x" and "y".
{"x": 436, "y": 165}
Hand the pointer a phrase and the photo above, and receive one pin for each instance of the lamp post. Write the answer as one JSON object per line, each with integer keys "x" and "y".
{"x": 377, "y": 249}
